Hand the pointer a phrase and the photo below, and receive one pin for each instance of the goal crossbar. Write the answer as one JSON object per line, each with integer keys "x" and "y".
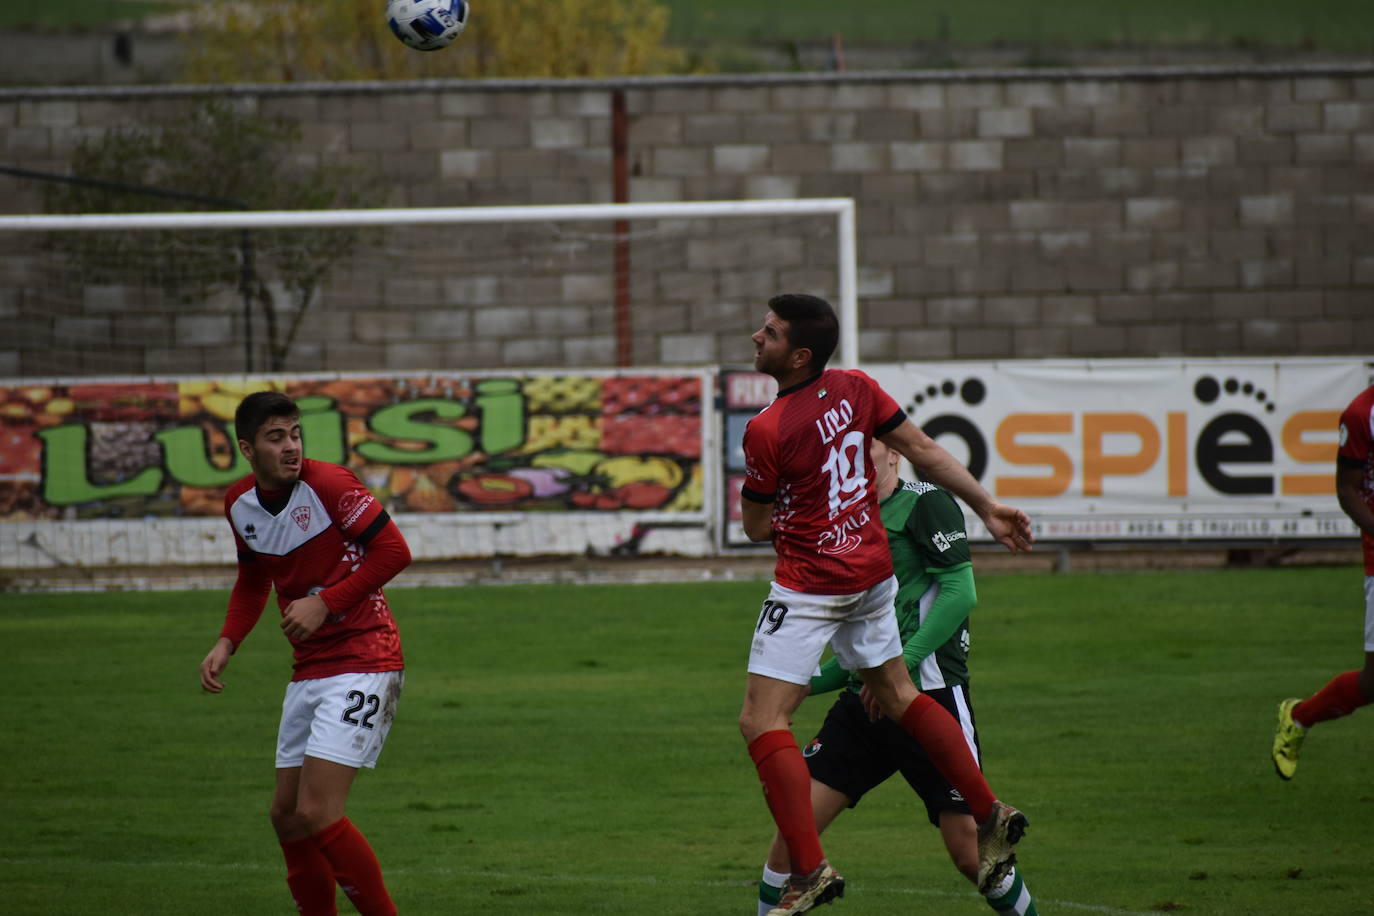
{"x": 841, "y": 208}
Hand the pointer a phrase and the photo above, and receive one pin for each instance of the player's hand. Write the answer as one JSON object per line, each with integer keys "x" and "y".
{"x": 304, "y": 616}
{"x": 1009, "y": 525}
{"x": 871, "y": 704}
{"x": 214, "y": 665}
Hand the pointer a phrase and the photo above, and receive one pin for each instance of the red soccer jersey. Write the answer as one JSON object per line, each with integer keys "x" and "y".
{"x": 309, "y": 538}
{"x": 1357, "y": 450}
{"x": 807, "y": 454}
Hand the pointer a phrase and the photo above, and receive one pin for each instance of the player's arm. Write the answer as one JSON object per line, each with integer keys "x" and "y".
{"x": 757, "y": 517}
{"x": 760, "y": 482}
{"x": 1007, "y": 524}
{"x": 936, "y": 513}
{"x": 386, "y": 555}
{"x": 246, "y": 602}
{"x": 1349, "y": 478}
{"x": 957, "y": 598}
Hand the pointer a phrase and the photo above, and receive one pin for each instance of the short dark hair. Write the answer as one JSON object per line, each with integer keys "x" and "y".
{"x": 811, "y": 323}
{"x": 257, "y": 409}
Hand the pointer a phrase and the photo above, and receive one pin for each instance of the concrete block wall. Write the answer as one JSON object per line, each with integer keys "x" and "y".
{"x": 1012, "y": 214}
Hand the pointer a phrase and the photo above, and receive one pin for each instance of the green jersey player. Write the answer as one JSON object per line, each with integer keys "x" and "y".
{"x": 857, "y": 749}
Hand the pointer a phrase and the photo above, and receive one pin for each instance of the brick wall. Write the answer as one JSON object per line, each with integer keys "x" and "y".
{"x": 1126, "y": 213}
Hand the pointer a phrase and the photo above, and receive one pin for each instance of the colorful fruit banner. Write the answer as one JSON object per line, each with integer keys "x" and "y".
{"x": 434, "y": 443}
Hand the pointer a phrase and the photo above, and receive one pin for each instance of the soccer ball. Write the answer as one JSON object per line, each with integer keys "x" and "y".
{"x": 427, "y": 25}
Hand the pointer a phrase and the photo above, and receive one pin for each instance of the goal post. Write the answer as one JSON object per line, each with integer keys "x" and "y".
{"x": 842, "y": 210}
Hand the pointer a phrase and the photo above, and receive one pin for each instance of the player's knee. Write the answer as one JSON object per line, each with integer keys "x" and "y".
{"x": 749, "y": 726}
{"x": 286, "y": 822}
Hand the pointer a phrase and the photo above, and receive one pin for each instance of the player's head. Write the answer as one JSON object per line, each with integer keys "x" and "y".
{"x": 811, "y": 333}
{"x": 885, "y": 462}
{"x": 268, "y": 426}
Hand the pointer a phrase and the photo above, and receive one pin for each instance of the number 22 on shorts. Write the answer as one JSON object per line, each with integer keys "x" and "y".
{"x": 772, "y": 614}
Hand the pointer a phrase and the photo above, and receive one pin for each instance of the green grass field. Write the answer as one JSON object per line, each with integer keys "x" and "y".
{"x": 573, "y": 750}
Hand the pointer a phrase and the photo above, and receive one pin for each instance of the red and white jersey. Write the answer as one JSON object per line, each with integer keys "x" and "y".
{"x": 305, "y": 540}
{"x": 807, "y": 454}
{"x": 1357, "y": 450}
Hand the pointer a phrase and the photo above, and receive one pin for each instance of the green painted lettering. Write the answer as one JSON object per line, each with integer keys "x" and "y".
{"x": 189, "y": 455}
{"x": 65, "y": 482}
{"x": 503, "y": 415}
{"x": 396, "y": 422}
{"x": 322, "y": 430}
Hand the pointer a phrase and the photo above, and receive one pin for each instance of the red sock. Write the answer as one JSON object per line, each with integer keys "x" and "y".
{"x": 310, "y": 877}
{"x": 787, "y": 789}
{"x": 1339, "y": 698}
{"x": 355, "y": 867}
{"x": 944, "y": 743}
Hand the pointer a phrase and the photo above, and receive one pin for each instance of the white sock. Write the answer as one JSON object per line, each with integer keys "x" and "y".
{"x": 774, "y": 879}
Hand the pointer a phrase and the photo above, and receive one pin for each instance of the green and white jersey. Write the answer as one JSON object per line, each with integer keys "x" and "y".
{"x": 925, "y": 531}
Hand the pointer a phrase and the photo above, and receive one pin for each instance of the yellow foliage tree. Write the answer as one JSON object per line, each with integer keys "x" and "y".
{"x": 300, "y": 40}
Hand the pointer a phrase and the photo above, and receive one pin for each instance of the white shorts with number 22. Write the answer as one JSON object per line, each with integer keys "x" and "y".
{"x": 344, "y": 718}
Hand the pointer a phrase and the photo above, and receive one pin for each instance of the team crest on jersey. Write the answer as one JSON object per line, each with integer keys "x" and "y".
{"x": 301, "y": 516}
{"x": 812, "y": 749}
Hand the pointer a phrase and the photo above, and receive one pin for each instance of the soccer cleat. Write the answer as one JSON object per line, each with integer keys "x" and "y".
{"x": 805, "y": 892}
{"x": 1287, "y": 740}
{"x": 997, "y": 839}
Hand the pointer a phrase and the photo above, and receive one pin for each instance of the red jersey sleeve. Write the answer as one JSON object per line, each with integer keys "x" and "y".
{"x": 760, "y": 459}
{"x": 887, "y": 413}
{"x": 351, "y": 506}
{"x": 387, "y": 555}
{"x": 251, "y": 589}
{"x": 361, "y": 518}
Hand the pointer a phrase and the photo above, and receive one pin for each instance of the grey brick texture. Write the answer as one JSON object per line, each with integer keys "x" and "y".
{"x": 1001, "y": 215}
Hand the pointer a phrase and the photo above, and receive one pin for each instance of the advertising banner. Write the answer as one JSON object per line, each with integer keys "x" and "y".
{"x": 1119, "y": 450}
{"x": 1225, "y": 449}
{"x": 441, "y": 443}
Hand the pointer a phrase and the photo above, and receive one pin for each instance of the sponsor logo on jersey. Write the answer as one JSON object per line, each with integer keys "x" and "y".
{"x": 250, "y": 533}
{"x": 812, "y": 749}
{"x": 301, "y": 516}
{"x": 352, "y": 505}
{"x": 941, "y": 540}
{"x": 843, "y": 537}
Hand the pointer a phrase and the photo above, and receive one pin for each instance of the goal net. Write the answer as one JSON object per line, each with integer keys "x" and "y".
{"x": 577, "y": 285}
{"x": 512, "y": 381}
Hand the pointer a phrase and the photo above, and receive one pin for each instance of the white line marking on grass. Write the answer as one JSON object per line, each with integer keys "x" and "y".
{"x": 584, "y": 878}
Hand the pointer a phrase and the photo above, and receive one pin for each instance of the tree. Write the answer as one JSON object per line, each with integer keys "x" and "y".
{"x": 222, "y": 156}
{"x": 289, "y": 40}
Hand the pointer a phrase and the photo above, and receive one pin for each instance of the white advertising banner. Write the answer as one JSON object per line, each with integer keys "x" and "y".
{"x": 1164, "y": 450}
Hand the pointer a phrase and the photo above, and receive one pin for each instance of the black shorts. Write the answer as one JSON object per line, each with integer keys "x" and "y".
{"x": 853, "y": 755}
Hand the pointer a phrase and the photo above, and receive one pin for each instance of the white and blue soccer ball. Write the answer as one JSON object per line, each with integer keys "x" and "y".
{"x": 427, "y": 25}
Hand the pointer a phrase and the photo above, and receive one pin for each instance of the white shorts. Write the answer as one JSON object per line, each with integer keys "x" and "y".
{"x": 344, "y": 718}
{"x": 794, "y": 628}
{"x": 1369, "y": 613}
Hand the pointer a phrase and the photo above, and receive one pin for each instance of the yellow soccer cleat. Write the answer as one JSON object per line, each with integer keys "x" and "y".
{"x": 1287, "y": 740}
